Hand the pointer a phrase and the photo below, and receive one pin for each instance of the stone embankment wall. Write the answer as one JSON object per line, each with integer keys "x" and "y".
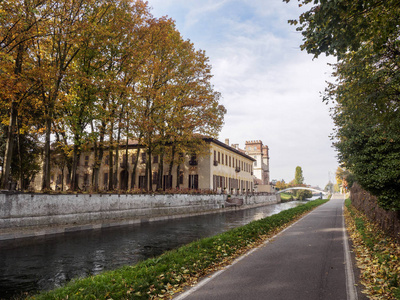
{"x": 83, "y": 211}
{"x": 389, "y": 221}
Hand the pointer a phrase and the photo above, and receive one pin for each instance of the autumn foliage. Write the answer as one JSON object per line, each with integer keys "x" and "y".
{"x": 91, "y": 73}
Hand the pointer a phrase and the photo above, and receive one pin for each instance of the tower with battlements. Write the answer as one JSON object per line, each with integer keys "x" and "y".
{"x": 260, "y": 153}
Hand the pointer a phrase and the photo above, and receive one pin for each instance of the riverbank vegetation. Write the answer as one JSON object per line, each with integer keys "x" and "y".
{"x": 377, "y": 255}
{"x": 163, "y": 276}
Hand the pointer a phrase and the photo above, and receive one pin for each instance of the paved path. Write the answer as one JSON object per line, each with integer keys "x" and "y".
{"x": 310, "y": 260}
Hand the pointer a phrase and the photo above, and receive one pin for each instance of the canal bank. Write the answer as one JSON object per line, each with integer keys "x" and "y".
{"x": 32, "y": 215}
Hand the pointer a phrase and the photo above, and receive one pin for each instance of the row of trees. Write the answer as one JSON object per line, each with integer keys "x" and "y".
{"x": 87, "y": 74}
{"x": 364, "y": 36}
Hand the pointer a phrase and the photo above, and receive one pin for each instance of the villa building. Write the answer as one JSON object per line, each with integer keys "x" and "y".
{"x": 222, "y": 168}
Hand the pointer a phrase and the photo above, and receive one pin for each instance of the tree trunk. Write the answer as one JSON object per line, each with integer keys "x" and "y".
{"x": 116, "y": 183}
{"x": 111, "y": 159}
{"x": 21, "y": 172}
{"x": 126, "y": 164}
{"x": 178, "y": 171}
{"x": 171, "y": 165}
{"x": 99, "y": 159}
{"x": 74, "y": 177}
{"x": 160, "y": 172}
{"x": 9, "y": 146}
{"x": 46, "y": 160}
{"x": 148, "y": 177}
{"x": 96, "y": 165}
{"x": 133, "y": 181}
{"x": 13, "y": 120}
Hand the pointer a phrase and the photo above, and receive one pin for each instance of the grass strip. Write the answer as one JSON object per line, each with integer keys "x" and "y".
{"x": 377, "y": 255}
{"x": 163, "y": 276}
{"x": 286, "y": 197}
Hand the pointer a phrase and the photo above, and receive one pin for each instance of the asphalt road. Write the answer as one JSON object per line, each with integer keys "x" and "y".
{"x": 309, "y": 260}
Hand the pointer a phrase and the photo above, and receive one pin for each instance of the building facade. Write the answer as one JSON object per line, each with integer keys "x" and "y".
{"x": 260, "y": 154}
{"x": 221, "y": 168}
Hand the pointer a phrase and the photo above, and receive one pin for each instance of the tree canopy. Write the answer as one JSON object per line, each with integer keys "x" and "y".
{"x": 75, "y": 74}
{"x": 298, "y": 176}
{"x": 364, "y": 36}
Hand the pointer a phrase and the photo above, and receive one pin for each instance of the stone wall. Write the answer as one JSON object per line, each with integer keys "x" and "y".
{"x": 389, "y": 221}
{"x": 43, "y": 210}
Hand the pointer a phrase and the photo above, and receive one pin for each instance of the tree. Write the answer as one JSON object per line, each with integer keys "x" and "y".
{"x": 339, "y": 27}
{"x": 303, "y": 194}
{"x": 329, "y": 187}
{"x": 18, "y": 20}
{"x": 281, "y": 185}
{"x": 298, "y": 176}
{"x": 176, "y": 103}
{"x": 364, "y": 35}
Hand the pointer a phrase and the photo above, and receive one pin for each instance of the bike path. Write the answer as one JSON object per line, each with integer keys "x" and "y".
{"x": 309, "y": 260}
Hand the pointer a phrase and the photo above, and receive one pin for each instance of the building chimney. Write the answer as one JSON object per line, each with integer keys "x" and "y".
{"x": 227, "y": 141}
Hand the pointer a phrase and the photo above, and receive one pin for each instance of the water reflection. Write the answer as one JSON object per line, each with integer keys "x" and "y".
{"x": 47, "y": 262}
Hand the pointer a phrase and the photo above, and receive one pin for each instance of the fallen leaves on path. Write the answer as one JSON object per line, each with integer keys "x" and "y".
{"x": 377, "y": 256}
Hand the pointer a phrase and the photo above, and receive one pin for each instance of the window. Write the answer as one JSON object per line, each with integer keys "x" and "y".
{"x": 107, "y": 160}
{"x": 167, "y": 182}
{"x": 86, "y": 180}
{"x": 86, "y": 161}
{"x": 229, "y": 161}
{"x": 194, "y": 182}
{"x": 144, "y": 160}
{"x": 155, "y": 177}
{"x": 142, "y": 182}
{"x": 193, "y": 160}
{"x": 218, "y": 182}
{"x": 133, "y": 158}
{"x": 180, "y": 176}
{"x": 155, "y": 159}
{"x": 222, "y": 159}
{"x": 219, "y": 154}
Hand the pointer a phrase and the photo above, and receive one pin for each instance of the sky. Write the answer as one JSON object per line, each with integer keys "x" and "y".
{"x": 270, "y": 88}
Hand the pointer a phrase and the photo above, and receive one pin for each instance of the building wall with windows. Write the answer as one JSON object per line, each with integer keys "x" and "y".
{"x": 222, "y": 168}
{"x": 231, "y": 168}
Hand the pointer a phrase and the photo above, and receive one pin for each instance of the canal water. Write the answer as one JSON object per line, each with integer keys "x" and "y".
{"x": 44, "y": 263}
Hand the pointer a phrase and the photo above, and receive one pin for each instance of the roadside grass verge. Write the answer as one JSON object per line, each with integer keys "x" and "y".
{"x": 377, "y": 255}
{"x": 163, "y": 276}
